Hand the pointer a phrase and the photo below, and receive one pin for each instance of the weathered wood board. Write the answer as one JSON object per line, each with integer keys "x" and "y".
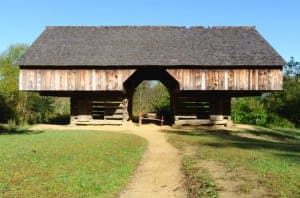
{"x": 73, "y": 79}
{"x": 228, "y": 79}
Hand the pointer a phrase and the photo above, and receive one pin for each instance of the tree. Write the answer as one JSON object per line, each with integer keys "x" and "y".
{"x": 13, "y": 100}
{"x": 151, "y": 96}
{"x": 249, "y": 110}
{"x": 18, "y": 105}
{"x": 286, "y": 103}
{"x": 277, "y": 108}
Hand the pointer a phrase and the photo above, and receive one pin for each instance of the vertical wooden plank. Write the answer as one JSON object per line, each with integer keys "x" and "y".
{"x": 208, "y": 79}
{"x": 66, "y": 80}
{"x": 43, "y": 78}
{"x": 56, "y": 80}
{"x": 241, "y": 80}
{"x": 120, "y": 79}
{"x": 115, "y": 80}
{"x": 221, "y": 82}
{"x": 27, "y": 78}
{"x": 203, "y": 76}
{"x": 71, "y": 80}
{"x": 197, "y": 79}
{"x": 250, "y": 79}
{"x": 97, "y": 80}
{"x": 32, "y": 80}
{"x": 83, "y": 80}
{"x": 184, "y": 80}
{"x": 267, "y": 79}
{"x": 109, "y": 76}
{"x": 230, "y": 79}
{"x": 215, "y": 79}
{"x": 260, "y": 79}
{"x": 77, "y": 79}
{"x": 246, "y": 79}
{"x": 256, "y": 79}
{"x": 88, "y": 79}
{"x": 226, "y": 79}
{"x": 235, "y": 83}
{"x": 103, "y": 80}
{"x": 38, "y": 79}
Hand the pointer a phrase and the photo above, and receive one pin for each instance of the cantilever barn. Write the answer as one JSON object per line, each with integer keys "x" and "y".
{"x": 100, "y": 67}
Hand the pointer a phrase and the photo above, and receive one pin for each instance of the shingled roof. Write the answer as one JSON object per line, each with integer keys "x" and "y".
{"x": 150, "y": 45}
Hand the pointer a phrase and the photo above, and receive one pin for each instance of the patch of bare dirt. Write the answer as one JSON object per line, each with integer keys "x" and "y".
{"x": 234, "y": 183}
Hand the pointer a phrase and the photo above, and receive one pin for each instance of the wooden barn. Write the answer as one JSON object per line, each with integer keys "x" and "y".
{"x": 100, "y": 67}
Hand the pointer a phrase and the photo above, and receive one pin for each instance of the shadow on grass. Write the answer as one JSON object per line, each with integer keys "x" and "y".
{"x": 277, "y": 134}
{"x": 295, "y": 157}
{"x": 17, "y": 131}
{"x": 224, "y": 138}
{"x": 289, "y": 132}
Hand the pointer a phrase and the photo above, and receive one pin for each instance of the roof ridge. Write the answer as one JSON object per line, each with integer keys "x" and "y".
{"x": 151, "y": 26}
{"x": 119, "y": 26}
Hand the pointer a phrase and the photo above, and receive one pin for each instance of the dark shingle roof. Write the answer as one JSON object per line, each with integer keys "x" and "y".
{"x": 150, "y": 45}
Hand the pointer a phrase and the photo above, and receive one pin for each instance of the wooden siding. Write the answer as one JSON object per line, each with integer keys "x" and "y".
{"x": 228, "y": 79}
{"x": 112, "y": 80}
{"x": 73, "y": 79}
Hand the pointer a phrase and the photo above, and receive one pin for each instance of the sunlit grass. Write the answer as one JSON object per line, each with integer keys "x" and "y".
{"x": 67, "y": 163}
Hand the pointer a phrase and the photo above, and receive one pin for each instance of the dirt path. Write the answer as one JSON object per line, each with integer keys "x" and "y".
{"x": 158, "y": 174}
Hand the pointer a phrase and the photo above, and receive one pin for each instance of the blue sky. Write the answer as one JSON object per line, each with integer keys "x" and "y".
{"x": 277, "y": 20}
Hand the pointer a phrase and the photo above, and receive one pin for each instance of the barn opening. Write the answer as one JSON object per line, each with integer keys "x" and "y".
{"x": 152, "y": 99}
{"x": 141, "y": 77}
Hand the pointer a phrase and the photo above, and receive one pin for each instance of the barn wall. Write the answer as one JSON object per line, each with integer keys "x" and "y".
{"x": 73, "y": 79}
{"x": 113, "y": 79}
{"x": 228, "y": 79}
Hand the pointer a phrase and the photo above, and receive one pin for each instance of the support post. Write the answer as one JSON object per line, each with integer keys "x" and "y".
{"x": 81, "y": 110}
{"x": 220, "y": 109}
{"x": 125, "y": 110}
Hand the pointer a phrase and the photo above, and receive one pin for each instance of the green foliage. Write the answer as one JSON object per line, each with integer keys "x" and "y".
{"x": 12, "y": 100}
{"x": 67, "y": 163}
{"x": 249, "y": 110}
{"x": 152, "y": 96}
{"x": 18, "y": 106}
{"x": 286, "y": 103}
{"x": 143, "y": 98}
{"x": 275, "y": 109}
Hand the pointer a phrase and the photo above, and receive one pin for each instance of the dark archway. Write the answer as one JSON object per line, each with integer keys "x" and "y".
{"x": 151, "y": 74}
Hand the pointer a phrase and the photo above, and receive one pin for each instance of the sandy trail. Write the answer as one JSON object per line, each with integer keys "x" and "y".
{"x": 158, "y": 174}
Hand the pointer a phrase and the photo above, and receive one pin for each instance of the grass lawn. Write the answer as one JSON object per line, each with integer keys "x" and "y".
{"x": 272, "y": 154}
{"x": 67, "y": 163}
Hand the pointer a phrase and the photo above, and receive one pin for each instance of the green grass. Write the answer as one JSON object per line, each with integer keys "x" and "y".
{"x": 67, "y": 163}
{"x": 272, "y": 154}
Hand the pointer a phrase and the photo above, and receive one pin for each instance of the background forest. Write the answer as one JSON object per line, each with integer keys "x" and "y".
{"x": 19, "y": 108}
